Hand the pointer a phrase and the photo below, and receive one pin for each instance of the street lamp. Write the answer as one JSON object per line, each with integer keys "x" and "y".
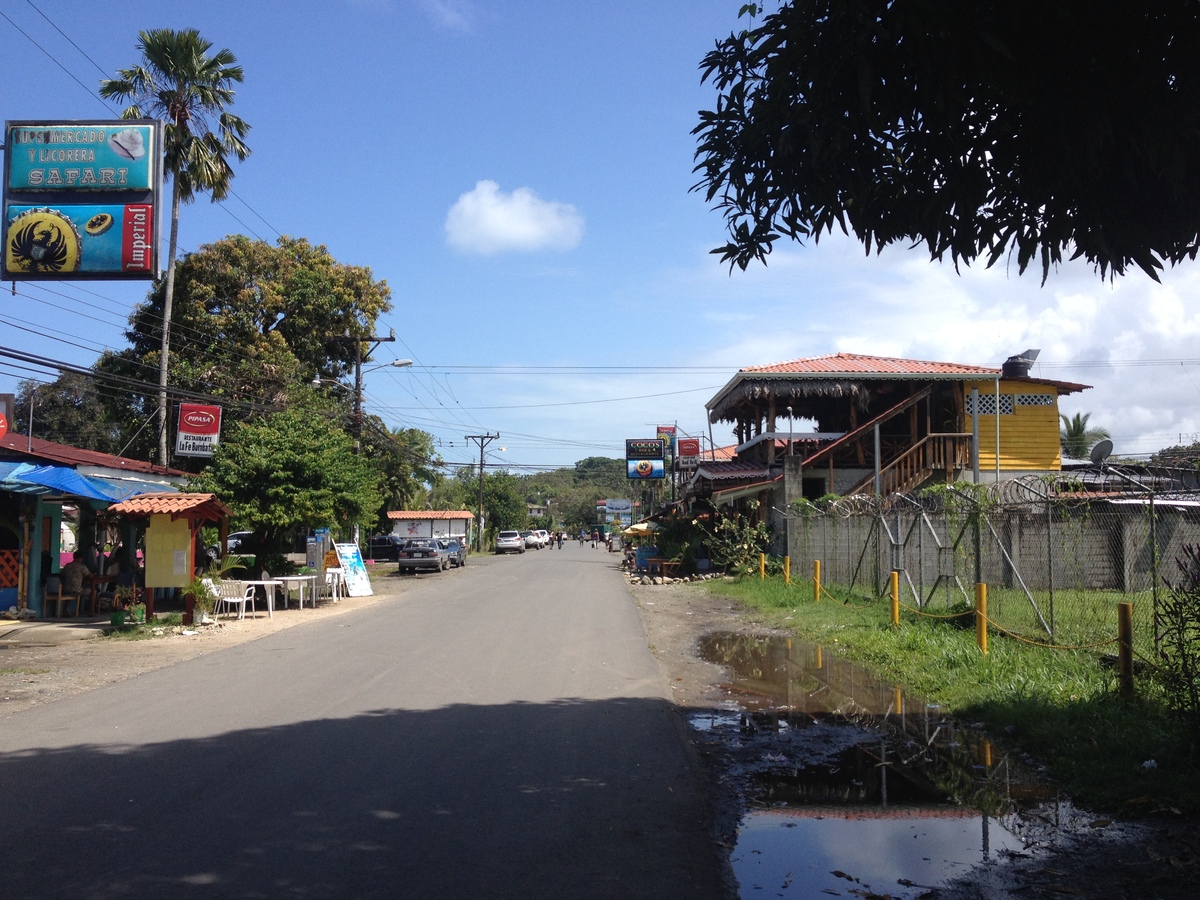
{"x": 358, "y": 374}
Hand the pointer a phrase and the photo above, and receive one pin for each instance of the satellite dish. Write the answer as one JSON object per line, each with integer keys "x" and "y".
{"x": 1102, "y": 451}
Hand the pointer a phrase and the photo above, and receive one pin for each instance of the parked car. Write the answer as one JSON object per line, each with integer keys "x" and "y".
{"x": 385, "y": 547}
{"x": 457, "y": 551}
{"x": 422, "y": 553}
{"x": 233, "y": 543}
{"x": 510, "y": 542}
{"x": 543, "y": 536}
{"x": 531, "y": 540}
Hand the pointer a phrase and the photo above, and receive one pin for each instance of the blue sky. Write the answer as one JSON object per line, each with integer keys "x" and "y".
{"x": 518, "y": 173}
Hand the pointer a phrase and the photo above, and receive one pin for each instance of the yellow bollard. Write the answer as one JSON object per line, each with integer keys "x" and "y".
{"x": 1125, "y": 649}
{"x": 816, "y": 580}
{"x": 894, "y": 590}
{"x": 820, "y": 658}
{"x": 981, "y": 617}
{"x": 787, "y": 570}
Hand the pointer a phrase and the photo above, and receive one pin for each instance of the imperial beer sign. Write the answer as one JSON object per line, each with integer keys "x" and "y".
{"x": 82, "y": 199}
{"x": 199, "y": 430}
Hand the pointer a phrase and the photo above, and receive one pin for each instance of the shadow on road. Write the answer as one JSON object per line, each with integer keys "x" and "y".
{"x": 451, "y": 802}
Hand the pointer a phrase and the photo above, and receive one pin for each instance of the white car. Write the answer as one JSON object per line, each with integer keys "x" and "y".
{"x": 543, "y": 536}
{"x": 510, "y": 542}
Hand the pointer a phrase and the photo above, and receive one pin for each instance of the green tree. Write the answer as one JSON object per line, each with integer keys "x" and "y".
{"x": 289, "y": 472}
{"x": 1077, "y": 437}
{"x": 251, "y": 321}
{"x": 68, "y": 411}
{"x": 179, "y": 82}
{"x": 975, "y": 128}
{"x": 1180, "y": 456}
{"x": 504, "y": 502}
{"x": 407, "y": 466}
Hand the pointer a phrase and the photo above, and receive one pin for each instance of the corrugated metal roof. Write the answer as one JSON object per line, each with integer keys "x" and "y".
{"x": 430, "y": 514}
{"x": 842, "y": 364}
{"x": 73, "y": 456}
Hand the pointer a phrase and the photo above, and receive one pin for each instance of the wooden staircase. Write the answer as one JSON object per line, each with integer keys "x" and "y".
{"x": 936, "y": 454}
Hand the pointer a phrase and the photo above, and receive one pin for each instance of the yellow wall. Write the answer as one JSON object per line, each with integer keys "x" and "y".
{"x": 1029, "y": 437}
{"x": 168, "y": 552}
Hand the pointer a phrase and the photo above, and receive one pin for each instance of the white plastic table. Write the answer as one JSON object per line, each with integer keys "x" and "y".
{"x": 300, "y": 582}
{"x": 269, "y": 586}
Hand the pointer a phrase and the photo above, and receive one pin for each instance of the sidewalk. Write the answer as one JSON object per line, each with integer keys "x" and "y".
{"x": 48, "y": 632}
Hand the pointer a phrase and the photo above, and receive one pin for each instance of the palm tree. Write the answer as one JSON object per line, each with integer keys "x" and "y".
{"x": 1077, "y": 438}
{"x": 180, "y": 83}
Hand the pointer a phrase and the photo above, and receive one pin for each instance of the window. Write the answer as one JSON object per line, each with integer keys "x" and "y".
{"x": 987, "y": 405}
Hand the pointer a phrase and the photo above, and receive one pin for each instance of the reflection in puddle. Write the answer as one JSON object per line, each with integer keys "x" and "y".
{"x": 900, "y": 852}
{"x": 854, "y": 788}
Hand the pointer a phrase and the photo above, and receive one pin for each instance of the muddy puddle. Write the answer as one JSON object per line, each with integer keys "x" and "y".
{"x": 851, "y": 787}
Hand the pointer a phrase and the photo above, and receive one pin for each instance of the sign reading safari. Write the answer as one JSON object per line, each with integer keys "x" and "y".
{"x": 81, "y": 199}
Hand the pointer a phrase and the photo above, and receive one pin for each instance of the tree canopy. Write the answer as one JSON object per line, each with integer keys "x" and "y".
{"x": 250, "y": 324}
{"x": 179, "y": 82}
{"x": 293, "y": 470}
{"x": 978, "y": 129}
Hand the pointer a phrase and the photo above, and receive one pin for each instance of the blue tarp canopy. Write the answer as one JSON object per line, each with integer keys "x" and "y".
{"x": 29, "y": 479}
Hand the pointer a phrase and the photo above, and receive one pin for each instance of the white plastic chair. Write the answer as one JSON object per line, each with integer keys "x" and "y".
{"x": 334, "y": 585}
{"x": 232, "y": 594}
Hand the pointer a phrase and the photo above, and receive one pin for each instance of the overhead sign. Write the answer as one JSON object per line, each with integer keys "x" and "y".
{"x": 82, "y": 199}
{"x": 199, "y": 430}
{"x": 644, "y": 468}
{"x": 644, "y": 448}
{"x": 688, "y": 452}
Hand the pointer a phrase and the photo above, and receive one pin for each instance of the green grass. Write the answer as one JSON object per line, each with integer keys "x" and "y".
{"x": 22, "y": 670}
{"x": 1061, "y": 706}
{"x": 133, "y": 632}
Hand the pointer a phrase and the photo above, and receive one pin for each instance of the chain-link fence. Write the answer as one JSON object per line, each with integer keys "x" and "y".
{"x": 1055, "y": 565}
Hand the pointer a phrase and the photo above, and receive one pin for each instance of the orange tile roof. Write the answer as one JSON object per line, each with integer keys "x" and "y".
{"x": 430, "y": 514}
{"x": 201, "y": 505}
{"x": 858, "y": 364}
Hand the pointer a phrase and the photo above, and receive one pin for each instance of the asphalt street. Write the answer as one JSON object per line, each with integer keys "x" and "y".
{"x": 496, "y": 731}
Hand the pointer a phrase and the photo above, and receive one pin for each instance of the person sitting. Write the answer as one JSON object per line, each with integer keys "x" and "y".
{"x": 72, "y": 575}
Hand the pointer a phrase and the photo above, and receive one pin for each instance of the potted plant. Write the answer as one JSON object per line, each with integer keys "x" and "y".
{"x": 122, "y": 597}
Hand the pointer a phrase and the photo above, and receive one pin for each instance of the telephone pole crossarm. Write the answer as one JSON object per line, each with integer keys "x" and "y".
{"x": 482, "y": 440}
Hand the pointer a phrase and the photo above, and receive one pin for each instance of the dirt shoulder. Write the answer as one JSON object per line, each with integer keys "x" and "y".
{"x": 31, "y": 675}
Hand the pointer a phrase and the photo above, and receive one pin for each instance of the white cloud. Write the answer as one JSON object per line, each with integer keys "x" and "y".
{"x": 487, "y": 221}
{"x": 456, "y": 15}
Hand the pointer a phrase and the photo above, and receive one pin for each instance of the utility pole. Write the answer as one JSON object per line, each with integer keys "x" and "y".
{"x": 482, "y": 440}
{"x": 358, "y": 391}
{"x": 375, "y": 340}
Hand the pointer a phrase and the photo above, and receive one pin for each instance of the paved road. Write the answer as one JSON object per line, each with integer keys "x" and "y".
{"x": 497, "y": 731}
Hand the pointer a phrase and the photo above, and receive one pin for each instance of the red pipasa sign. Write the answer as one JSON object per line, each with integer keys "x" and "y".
{"x": 199, "y": 430}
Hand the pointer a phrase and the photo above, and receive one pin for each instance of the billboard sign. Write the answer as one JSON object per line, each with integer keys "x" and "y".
{"x": 619, "y": 512}
{"x": 82, "y": 199}
{"x": 688, "y": 452}
{"x": 199, "y": 430}
{"x": 644, "y": 468}
{"x": 645, "y": 448}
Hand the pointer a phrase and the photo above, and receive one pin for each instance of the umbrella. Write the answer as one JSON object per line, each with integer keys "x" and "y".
{"x": 642, "y": 528}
